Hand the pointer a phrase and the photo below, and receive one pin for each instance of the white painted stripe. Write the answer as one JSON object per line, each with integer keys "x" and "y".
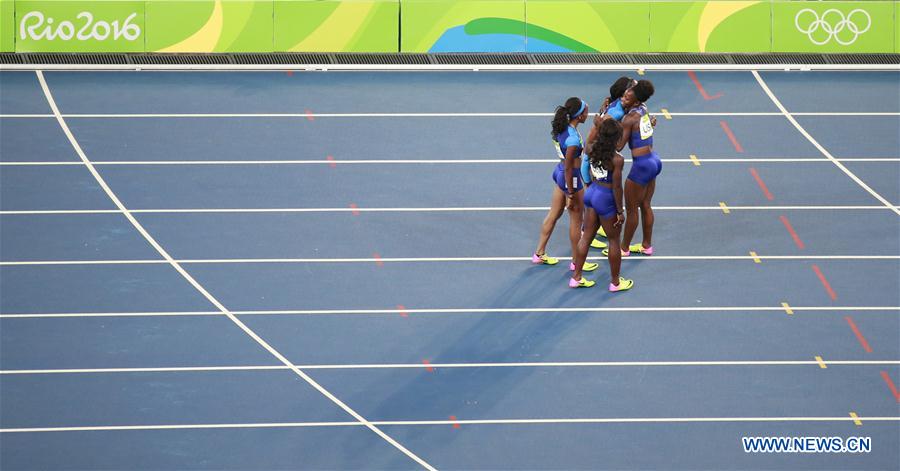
{"x": 812, "y": 160}
{"x": 362, "y": 420}
{"x": 417, "y": 210}
{"x": 388, "y": 366}
{"x": 815, "y": 143}
{"x": 409, "y": 423}
{"x": 436, "y": 259}
{"x": 415, "y": 115}
{"x": 501, "y": 310}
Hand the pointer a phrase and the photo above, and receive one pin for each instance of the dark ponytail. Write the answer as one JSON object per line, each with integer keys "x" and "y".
{"x": 563, "y": 115}
{"x": 604, "y": 148}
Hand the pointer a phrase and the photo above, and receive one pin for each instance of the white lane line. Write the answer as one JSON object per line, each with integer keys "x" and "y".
{"x": 812, "y": 160}
{"x": 815, "y": 143}
{"x": 461, "y": 311}
{"x": 409, "y": 423}
{"x": 413, "y": 115}
{"x": 435, "y": 259}
{"x": 137, "y": 225}
{"x": 388, "y": 366}
{"x": 423, "y": 210}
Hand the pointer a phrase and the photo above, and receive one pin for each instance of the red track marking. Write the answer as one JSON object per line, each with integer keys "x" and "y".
{"x": 761, "y": 184}
{"x": 378, "y": 259}
{"x": 700, "y": 89}
{"x": 402, "y": 310}
{"x": 734, "y": 141}
{"x": 290, "y": 73}
{"x": 428, "y": 367}
{"x": 331, "y": 162}
{"x": 453, "y": 417}
{"x": 309, "y": 115}
{"x": 787, "y": 225}
{"x": 859, "y": 335}
{"x": 825, "y": 283}
{"x": 355, "y": 209}
{"x": 890, "y": 383}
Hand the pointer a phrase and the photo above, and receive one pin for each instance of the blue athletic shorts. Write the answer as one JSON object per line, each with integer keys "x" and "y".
{"x": 601, "y": 200}
{"x": 644, "y": 169}
{"x": 559, "y": 176}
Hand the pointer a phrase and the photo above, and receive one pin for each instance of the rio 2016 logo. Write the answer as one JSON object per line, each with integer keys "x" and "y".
{"x": 832, "y": 23}
{"x": 36, "y": 27}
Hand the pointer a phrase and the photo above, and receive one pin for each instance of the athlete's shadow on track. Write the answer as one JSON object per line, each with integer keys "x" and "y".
{"x": 496, "y": 337}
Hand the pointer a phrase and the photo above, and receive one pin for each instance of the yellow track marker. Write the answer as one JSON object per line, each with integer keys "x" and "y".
{"x": 665, "y": 113}
{"x": 724, "y": 207}
{"x": 640, "y": 71}
{"x": 695, "y": 160}
{"x": 787, "y": 309}
{"x": 821, "y": 362}
{"x": 856, "y": 419}
{"x": 755, "y": 257}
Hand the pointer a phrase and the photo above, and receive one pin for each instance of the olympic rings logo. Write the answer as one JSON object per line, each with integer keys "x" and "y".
{"x": 833, "y": 23}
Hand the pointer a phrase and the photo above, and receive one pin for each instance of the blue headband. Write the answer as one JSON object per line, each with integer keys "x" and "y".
{"x": 580, "y": 110}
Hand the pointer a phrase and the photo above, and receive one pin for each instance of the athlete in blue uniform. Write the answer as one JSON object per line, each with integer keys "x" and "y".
{"x": 612, "y": 107}
{"x": 568, "y": 190}
{"x": 645, "y": 167}
{"x": 603, "y": 202}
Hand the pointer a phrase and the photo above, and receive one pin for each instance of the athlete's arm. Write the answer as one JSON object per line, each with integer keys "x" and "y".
{"x": 618, "y": 163}
{"x": 627, "y": 124}
{"x": 586, "y": 169}
{"x": 569, "y": 169}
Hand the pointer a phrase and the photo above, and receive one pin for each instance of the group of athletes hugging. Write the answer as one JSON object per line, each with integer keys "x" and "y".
{"x": 623, "y": 119}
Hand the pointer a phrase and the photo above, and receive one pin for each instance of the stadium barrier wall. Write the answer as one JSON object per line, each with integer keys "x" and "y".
{"x": 869, "y": 26}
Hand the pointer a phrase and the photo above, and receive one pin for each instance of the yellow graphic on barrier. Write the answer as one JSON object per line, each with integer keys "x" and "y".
{"x": 205, "y": 39}
{"x": 714, "y": 13}
{"x": 336, "y": 32}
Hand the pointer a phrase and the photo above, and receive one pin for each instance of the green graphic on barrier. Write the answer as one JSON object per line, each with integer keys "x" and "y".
{"x": 587, "y": 26}
{"x": 714, "y": 26}
{"x": 449, "y": 26}
{"x": 833, "y": 26}
{"x": 7, "y": 26}
{"x": 896, "y": 27}
{"x": 84, "y": 26}
{"x": 209, "y": 26}
{"x": 441, "y": 26}
{"x": 337, "y": 26}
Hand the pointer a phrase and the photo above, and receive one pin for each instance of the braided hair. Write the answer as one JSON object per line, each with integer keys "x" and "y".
{"x": 604, "y": 148}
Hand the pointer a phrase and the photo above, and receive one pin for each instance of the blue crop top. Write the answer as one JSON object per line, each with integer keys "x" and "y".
{"x": 568, "y": 138}
{"x": 599, "y": 174}
{"x": 616, "y": 112}
{"x": 644, "y": 136}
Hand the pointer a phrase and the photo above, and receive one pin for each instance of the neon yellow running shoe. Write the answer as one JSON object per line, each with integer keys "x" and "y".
{"x": 601, "y": 232}
{"x": 543, "y": 259}
{"x": 638, "y": 248}
{"x": 624, "y": 285}
{"x": 598, "y": 244}
{"x": 582, "y": 283}
{"x": 588, "y": 266}
{"x": 605, "y": 252}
